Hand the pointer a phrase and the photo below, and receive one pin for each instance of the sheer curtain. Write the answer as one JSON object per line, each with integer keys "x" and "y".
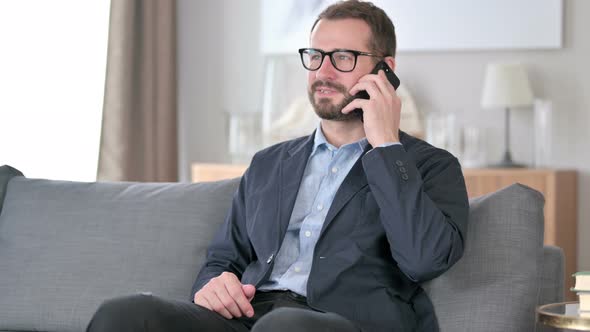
{"x": 139, "y": 128}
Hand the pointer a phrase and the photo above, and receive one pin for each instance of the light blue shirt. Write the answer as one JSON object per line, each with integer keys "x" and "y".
{"x": 325, "y": 170}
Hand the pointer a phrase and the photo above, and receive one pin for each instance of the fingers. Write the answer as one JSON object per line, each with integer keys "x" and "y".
{"x": 200, "y": 300}
{"x": 378, "y": 88}
{"x": 238, "y": 299}
{"x": 249, "y": 291}
{"x": 354, "y": 104}
{"x": 219, "y": 307}
{"x": 384, "y": 84}
{"x": 224, "y": 295}
{"x": 367, "y": 85}
{"x": 380, "y": 80}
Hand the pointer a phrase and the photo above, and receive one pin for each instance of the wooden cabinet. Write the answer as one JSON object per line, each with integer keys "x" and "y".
{"x": 558, "y": 186}
{"x": 561, "y": 205}
{"x": 202, "y": 172}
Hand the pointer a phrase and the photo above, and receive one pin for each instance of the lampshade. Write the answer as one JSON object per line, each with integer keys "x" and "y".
{"x": 506, "y": 85}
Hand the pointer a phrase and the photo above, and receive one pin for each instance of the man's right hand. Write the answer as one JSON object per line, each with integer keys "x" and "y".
{"x": 227, "y": 296}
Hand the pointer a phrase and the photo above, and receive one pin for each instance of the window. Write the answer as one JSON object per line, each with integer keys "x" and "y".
{"x": 52, "y": 76}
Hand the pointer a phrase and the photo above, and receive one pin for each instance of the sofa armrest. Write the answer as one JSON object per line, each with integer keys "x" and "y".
{"x": 551, "y": 281}
{"x": 552, "y": 278}
{"x": 6, "y": 173}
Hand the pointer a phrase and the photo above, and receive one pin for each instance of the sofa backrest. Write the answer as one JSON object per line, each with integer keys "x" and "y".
{"x": 495, "y": 285}
{"x": 6, "y": 174}
{"x": 65, "y": 247}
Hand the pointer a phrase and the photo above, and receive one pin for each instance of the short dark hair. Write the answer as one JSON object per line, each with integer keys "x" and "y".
{"x": 383, "y": 41}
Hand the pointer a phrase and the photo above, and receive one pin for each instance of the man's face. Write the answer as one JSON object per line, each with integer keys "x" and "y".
{"x": 327, "y": 87}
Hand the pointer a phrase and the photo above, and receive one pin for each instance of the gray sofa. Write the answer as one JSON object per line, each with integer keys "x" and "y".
{"x": 65, "y": 247}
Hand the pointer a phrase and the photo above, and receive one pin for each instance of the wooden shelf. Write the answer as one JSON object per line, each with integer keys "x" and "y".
{"x": 203, "y": 172}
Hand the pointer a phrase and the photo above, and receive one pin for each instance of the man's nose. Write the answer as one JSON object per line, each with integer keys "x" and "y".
{"x": 327, "y": 70}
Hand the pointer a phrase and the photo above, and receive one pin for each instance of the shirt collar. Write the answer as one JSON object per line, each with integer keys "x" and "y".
{"x": 320, "y": 140}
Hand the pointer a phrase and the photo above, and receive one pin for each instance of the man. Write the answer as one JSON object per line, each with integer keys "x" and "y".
{"x": 334, "y": 231}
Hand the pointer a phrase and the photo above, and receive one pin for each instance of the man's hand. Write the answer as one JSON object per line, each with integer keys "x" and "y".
{"x": 227, "y": 296}
{"x": 381, "y": 113}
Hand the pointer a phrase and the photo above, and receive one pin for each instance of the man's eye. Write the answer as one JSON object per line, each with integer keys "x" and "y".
{"x": 314, "y": 57}
{"x": 344, "y": 57}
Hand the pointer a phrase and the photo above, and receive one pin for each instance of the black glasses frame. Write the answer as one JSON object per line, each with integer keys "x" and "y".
{"x": 331, "y": 54}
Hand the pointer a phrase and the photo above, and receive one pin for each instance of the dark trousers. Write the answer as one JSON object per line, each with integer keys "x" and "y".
{"x": 273, "y": 311}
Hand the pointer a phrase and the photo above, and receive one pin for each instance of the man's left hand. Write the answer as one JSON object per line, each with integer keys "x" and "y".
{"x": 381, "y": 113}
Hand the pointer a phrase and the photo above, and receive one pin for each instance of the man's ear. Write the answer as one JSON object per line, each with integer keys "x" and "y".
{"x": 390, "y": 62}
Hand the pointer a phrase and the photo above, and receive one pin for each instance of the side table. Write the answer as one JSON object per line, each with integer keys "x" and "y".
{"x": 563, "y": 315}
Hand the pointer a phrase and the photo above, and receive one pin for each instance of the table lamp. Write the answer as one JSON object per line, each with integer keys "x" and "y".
{"x": 506, "y": 86}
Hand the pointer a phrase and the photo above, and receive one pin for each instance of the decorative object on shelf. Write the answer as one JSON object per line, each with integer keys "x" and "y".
{"x": 472, "y": 147}
{"x": 506, "y": 86}
{"x": 299, "y": 119}
{"x": 442, "y": 132}
{"x": 244, "y": 135}
{"x": 410, "y": 119}
{"x": 543, "y": 116}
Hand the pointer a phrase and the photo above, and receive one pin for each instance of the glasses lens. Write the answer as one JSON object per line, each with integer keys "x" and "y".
{"x": 312, "y": 59}
{"x": 343, "y": 60}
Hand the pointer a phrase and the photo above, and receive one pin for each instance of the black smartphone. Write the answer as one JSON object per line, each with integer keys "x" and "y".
{"x": 393, "y": 79}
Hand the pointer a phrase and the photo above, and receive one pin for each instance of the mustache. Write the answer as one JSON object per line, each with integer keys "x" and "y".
{"x": 335, "y": 86}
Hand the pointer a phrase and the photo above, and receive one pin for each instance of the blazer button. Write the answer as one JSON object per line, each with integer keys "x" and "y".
{"x": 405, "y": 176}
{"x": 399, "y": 163}
{"x": 402, "y": 169}
{"x": 270, "y": 258}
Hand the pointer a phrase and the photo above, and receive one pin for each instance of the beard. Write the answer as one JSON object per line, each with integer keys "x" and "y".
{"x": 326, "y": 109}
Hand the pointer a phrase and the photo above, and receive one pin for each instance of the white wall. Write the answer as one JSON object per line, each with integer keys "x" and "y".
{"x": 220, "y": 68}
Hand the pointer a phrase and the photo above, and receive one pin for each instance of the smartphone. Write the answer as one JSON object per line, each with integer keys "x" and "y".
{"x": 393, "y": 79}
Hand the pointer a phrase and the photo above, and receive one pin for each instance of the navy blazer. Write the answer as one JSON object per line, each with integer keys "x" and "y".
{"x": 398, "y": 219}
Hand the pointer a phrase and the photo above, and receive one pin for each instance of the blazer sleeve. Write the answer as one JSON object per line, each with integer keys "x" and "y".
{"x": 230, "y": 250}
{"x": 423, "y": 207}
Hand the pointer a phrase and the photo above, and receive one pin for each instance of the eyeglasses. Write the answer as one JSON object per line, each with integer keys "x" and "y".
{"x": 343, "y": 60}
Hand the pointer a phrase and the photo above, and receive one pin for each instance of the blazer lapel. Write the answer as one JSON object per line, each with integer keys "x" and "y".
{"x": 353, "y": 182}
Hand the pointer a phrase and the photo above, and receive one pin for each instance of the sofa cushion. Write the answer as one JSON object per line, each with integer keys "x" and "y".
{"x": 496, "y": 283}
{"x": 65, "y": 247}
